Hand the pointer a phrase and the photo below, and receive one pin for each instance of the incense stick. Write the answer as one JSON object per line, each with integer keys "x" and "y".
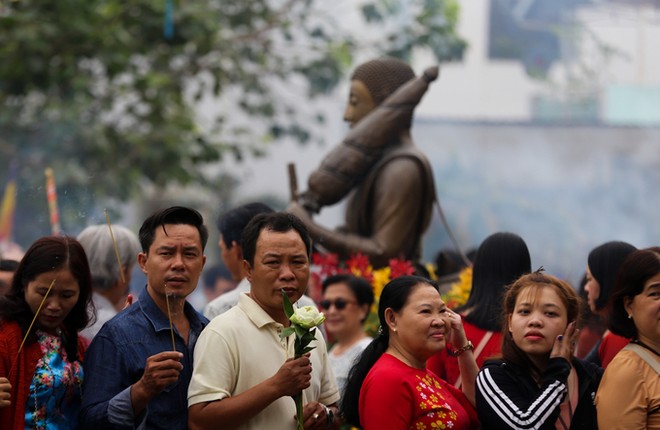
{"x": 169, "y": 317}
{"x": 36, "y": 314}
{"x": 114, "y": 243}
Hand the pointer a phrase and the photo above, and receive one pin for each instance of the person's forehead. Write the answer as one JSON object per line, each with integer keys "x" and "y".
{"x": 269, "y": 239}
{"x": 173, "y": 234}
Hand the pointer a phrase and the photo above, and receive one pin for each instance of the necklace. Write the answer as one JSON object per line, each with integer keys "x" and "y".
{"x": 640, "y": 343}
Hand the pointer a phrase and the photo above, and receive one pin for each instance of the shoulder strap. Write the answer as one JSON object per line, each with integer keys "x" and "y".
{"x": 644, "y": 355}
{"x": 477, "y": 351}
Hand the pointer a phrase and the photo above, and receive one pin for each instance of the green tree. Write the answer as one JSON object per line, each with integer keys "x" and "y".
{"x": 109, "y": 96}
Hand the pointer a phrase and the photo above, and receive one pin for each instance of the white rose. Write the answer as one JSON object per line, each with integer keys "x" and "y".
{"x": 307, "y": 317}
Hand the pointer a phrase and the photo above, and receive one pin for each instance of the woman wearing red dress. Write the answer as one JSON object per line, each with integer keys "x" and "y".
{"x": 390, "y": 387}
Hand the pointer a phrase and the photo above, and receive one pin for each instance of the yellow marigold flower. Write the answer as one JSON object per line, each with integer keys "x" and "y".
{"x": 380, "y": 278}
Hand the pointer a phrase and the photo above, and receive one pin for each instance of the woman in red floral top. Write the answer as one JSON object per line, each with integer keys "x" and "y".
{"x": 390, "y": 387}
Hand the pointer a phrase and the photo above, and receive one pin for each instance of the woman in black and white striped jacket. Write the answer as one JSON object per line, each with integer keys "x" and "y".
{"x": 538, "y": 384}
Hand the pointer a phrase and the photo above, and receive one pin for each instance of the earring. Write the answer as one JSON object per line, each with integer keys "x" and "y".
{"x": 394, "y": 330}
{"x": 629, "y": 316}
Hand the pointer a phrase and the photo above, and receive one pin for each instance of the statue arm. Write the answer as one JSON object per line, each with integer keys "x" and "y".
{"x": 397, "y": 199}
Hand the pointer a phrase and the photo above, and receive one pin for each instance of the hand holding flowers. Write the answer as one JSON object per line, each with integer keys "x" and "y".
{"x": 303, "y": 325}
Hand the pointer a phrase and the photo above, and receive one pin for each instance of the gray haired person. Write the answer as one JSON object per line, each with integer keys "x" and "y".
{"x": 109, "y": 289}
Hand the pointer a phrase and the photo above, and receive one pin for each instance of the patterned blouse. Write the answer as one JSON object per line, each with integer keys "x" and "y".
{"x": 395, "y": 395}
{"x": 55, "y": 391}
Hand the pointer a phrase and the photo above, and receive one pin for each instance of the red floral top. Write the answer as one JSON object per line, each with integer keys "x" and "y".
{"x": 397, "y": 396}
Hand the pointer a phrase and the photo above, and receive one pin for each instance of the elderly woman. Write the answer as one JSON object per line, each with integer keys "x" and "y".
{"x": 390, "y": 387}
{"x": 109, "y": 286}
{"x": 629, "y": 394}
{"x": 346, "y": 302}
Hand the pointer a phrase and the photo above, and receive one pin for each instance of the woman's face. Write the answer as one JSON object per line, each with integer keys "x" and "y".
{"x": 422, "y": 325}
{"x": 62, "y": 298}
{"x": 539, "y": 316}
{"x": 592, "y": 287}
{"x": 343, "y": 315}
{"x": 645, "y": 311}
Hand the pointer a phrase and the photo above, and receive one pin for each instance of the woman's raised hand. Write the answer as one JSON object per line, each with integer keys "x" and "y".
{"x": 565, "y": 344}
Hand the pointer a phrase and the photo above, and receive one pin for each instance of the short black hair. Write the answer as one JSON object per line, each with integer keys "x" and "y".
{"x": 172, "y": 215}
{"x": 8, "y": 265}
{"x": 232, "y": 223}
{"x": 219, "y": 271}
{"x": 280, "y": 222}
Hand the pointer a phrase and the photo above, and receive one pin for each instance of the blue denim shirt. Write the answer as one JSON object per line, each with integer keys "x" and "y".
{"x": 116, "y": 359}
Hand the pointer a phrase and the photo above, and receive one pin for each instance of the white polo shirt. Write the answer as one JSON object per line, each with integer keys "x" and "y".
{"x": 240, "y": 349}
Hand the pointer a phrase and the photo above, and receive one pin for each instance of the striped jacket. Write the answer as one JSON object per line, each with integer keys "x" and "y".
{"x": 509, "y": 398}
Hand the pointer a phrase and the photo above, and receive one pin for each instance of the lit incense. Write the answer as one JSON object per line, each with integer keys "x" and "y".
{"x": 114, "y": 244}
{"x": 169, "y": 317}
{"x": 36, "y": 314}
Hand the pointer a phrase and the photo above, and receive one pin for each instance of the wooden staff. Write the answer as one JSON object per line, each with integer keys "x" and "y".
{"x": 114, "y": 243}
{"x": 293, "y": 182}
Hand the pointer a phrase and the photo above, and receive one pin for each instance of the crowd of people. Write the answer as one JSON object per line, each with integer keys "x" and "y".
{"x": 77, "y": 352}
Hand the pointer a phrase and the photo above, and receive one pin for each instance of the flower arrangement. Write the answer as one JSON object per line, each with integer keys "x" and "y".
{"x": 304, "y": 321}
{"x": 459, "y": 291}
{"x": 324, "y": 265}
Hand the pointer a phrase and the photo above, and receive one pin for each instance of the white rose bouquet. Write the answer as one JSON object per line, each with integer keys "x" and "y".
{"x": 303, "y": 324}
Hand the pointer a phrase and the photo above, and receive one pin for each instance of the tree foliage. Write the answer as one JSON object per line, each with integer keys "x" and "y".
{"x": 99, "y": 91}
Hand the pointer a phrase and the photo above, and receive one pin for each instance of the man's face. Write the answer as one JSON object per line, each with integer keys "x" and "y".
{"x": 360, "y": 103}
{"x": 232, "y": 257}
{"x": 280, "y": 263}
{"x": 174, "y": 261}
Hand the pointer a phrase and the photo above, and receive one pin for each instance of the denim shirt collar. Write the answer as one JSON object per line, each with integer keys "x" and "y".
{"x": 159, "y": 320}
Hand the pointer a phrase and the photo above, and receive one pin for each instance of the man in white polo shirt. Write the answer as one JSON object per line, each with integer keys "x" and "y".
{"x": 243, "y": 374}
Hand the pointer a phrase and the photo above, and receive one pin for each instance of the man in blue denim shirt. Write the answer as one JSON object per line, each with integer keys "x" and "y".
{"x": 137, "y": 369}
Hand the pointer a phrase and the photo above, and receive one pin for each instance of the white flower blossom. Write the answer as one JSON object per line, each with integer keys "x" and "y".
{"x": 307, "y": 317}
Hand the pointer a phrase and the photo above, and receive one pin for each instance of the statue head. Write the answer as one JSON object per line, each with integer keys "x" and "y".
{"x": 372, "y": 82}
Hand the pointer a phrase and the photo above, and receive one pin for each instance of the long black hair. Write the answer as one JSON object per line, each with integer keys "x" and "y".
{"x": 501, "y": 259}
{"x": 394, "y": 296}
{"x": 49, "y": 254}
{"x": 604, "y": 262}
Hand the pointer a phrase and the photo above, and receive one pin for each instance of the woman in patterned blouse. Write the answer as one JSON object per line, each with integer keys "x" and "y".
{"x": 42, "y": 356}
{"x": 389, "y": 387}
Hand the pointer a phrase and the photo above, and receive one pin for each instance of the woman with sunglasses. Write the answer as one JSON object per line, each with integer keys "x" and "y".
{"x": 346, "y": 303}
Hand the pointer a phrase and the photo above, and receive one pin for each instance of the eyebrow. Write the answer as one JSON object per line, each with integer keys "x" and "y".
{"x": 543, "y": 305}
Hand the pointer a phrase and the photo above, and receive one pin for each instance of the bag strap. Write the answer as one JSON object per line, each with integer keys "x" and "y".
{"x": 477, "y": 351}
{"x": 644, "y": 355}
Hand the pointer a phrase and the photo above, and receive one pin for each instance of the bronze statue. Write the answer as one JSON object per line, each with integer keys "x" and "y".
{"x": 389, "y": 179}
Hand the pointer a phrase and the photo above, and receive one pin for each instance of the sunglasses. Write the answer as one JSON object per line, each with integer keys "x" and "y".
{"x": 339, "y": 304}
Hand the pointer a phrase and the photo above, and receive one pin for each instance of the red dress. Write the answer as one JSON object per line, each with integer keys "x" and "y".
{"x": 610, "y": 346}
{"x": 446, "y": 367}
{"x": 397, "y": 396}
